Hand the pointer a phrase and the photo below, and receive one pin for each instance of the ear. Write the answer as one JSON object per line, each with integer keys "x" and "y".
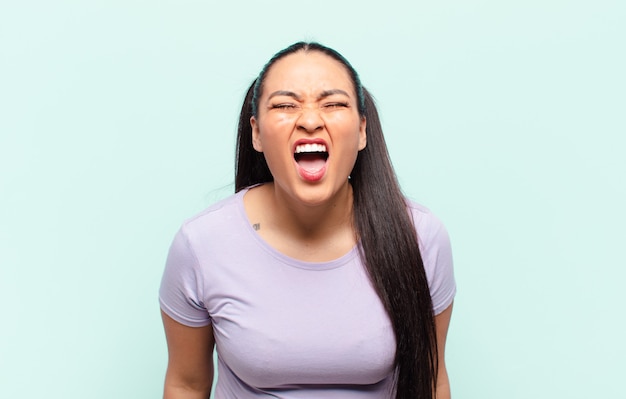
{"x": 362, "y": 133}
{"x": 256, "y": 139}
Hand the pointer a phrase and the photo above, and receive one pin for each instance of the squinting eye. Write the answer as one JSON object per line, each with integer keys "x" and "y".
{"x": 283, "y": 106}
{"x": 336, "y": 105}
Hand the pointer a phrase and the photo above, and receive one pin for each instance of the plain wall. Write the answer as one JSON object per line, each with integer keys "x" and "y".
{"x": 506, "y": 118}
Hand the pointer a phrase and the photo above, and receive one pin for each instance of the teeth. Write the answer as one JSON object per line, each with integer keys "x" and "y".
{"x": 310, "y": 148}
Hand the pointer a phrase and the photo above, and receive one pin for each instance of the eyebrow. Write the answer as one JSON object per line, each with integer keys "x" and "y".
{"x": 284, "y": 93}
{"x": 327, "y": 93}
{"x": 324, "y": 94}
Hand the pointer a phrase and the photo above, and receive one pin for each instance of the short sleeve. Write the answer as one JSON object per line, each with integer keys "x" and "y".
{"x": 181, "y": 292}
{"x": 437, "y": 257}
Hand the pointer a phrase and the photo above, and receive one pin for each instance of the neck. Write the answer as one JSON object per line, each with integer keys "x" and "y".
{"x": 310, "y": 221}
{"x": 307, "y": 232}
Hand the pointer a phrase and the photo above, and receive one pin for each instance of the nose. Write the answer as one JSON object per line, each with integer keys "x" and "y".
{"x": 310, "y": 120}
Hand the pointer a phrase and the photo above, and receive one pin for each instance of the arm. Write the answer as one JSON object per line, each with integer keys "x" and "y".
{"x": 190, "y": 364}
{"x": 442, "y": 322}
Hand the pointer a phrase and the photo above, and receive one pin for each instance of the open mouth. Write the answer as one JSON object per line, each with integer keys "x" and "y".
{"x": 311, "y": 157}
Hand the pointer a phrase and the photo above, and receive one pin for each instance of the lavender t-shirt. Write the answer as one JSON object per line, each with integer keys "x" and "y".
{"x": 285, "y": 328}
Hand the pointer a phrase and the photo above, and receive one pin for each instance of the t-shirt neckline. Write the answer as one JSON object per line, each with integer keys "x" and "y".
{"x": 285, "y": 259}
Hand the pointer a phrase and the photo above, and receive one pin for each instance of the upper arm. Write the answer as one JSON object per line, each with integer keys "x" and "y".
{"x": 190, "y": 359}
{"x": 442, "y": 322}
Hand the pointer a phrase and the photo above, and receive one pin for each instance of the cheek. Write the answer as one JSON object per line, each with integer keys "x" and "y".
{"x": 277, "y": 126}
{"x": 342, "y": 118}
{"x": 348, "y": 127}
{"x": 273, "y": 136}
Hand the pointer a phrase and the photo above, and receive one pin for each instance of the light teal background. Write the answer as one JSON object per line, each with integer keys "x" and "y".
{"x": 506, "y": 118}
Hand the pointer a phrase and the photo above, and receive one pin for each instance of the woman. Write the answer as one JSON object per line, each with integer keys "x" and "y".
{"x": 317, "y": 279}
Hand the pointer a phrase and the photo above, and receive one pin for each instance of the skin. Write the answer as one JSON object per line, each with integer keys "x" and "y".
{"x": 306, "y": 95}
{"x": 442, "y": 322}
{"x": 322, "y": 104}
{"x": 189, "y": 372}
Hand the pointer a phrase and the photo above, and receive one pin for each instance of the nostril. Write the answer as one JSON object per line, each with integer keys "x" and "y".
{"x": 310, "y": 121}
{"x": 310, "y": 127}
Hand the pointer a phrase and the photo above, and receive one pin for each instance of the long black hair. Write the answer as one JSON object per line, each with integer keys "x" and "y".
{"x": 383, "y": 226}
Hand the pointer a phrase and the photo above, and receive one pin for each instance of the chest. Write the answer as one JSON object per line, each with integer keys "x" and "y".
{"x": 276, "y": 325}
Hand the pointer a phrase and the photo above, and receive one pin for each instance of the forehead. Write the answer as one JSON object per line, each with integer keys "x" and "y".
{"x": 307, "y": 71}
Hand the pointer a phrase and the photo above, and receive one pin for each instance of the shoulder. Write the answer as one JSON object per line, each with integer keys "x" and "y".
{"x": 427, "y": 225}
{"x": 183, "y": 285}
{"x": 216, "y": 215}
{"x": 436, "y": 252}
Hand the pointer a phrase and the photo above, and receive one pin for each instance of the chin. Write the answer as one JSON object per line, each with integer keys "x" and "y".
{"x": 318, "y": 194}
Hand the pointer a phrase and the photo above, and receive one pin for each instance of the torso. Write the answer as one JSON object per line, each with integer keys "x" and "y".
{"x": 287, "y": 325}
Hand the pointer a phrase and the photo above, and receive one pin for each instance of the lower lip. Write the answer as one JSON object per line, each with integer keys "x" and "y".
{"x": 310, "y": 176}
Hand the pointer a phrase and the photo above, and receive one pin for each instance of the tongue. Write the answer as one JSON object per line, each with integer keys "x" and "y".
{"x": 311, "y": 162}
